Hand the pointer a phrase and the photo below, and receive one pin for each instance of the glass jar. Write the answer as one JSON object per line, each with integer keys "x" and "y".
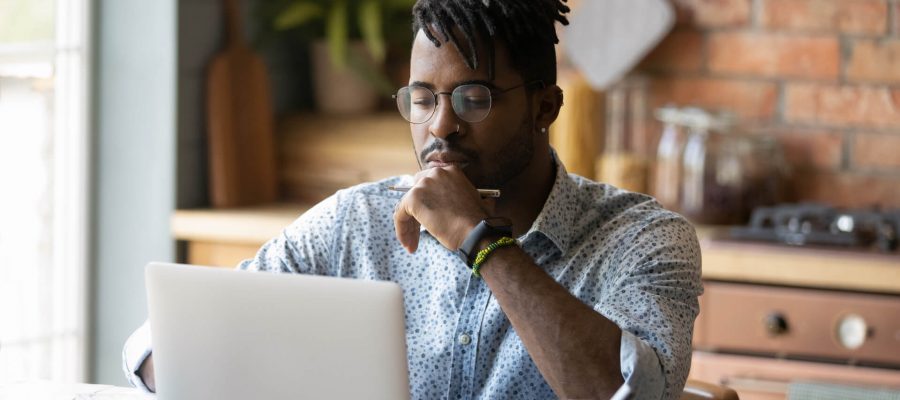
{"x": 726, "y": 173}
{"x": 624, "y": 162}
{"x": 666, "y": 178}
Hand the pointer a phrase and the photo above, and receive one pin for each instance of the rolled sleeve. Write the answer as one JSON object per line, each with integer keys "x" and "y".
{"x": 137, "y": 349}
{"x": 641, "y": 368}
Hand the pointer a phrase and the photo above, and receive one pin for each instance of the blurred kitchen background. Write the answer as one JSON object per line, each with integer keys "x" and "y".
{"x": 774, "y": 125}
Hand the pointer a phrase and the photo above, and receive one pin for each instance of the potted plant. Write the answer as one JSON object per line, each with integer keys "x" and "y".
{"x": 349, "y": 44}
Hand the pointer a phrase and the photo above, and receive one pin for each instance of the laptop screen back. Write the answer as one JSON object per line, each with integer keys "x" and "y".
{"x": 227, "y": 334}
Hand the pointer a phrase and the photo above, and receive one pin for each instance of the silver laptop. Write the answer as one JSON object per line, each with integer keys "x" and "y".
{"x": 227, "y": 334}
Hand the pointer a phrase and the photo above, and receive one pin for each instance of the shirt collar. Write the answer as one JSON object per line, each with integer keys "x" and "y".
{"x": 557, "y": 217}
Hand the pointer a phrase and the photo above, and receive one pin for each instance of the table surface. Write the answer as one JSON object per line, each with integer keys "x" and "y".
{"x": 47, "y": 390}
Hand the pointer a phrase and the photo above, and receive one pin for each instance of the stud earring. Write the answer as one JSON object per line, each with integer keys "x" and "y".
{"x": 543, "y": 130}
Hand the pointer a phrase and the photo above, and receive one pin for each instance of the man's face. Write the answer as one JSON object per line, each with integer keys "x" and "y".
{"x": 490, "y": 152}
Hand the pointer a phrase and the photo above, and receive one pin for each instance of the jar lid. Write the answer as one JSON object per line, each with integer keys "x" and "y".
{"x": 696, "y": 118}
{"x": 669, "y": 114}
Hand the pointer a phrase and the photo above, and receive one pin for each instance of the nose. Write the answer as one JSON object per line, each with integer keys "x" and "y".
{"x": 444, "y": 122}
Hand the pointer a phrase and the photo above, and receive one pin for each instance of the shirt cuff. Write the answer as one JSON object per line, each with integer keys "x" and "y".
{"x": 136, "y": 350}
{"x": 641, "y": 369}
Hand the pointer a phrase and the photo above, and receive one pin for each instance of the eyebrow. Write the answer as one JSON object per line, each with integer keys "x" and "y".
{"x": 457, "y": 84}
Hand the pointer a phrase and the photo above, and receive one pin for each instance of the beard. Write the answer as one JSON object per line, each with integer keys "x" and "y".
{"x": 502, "y": 166}
{"x": 512, "y": 158}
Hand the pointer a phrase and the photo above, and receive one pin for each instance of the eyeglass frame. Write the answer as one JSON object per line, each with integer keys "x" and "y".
{"x": 493, "y": 92}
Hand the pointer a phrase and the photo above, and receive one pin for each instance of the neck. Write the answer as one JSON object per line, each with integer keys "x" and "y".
{"x": 524, "y": 196}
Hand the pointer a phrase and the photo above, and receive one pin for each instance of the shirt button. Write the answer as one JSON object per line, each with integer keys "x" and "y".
{"x": 465, "y": 339}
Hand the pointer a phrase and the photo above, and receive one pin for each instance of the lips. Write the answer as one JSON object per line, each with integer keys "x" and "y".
{"x": 446, "y": 159}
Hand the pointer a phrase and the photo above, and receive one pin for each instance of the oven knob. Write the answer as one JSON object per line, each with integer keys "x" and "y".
{"x": 852, "y": 331}
{"x": 776, "y": 324}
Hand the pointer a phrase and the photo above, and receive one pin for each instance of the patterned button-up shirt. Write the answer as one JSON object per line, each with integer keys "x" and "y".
{"x": 618, "y": 252}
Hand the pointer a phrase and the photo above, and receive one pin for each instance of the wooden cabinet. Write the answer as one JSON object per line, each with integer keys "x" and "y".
{"x": 224, "y": 238}
{"x": 802, "y": 323}
{"x": 774, "y": 315}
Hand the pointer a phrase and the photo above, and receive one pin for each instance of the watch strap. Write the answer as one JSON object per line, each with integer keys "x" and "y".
{"x": 468, "y": 249}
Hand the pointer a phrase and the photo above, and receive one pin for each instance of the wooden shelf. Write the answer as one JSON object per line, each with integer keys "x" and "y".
{"x": 320, "y": 155}
{"x": 250, "y": 225}
{"x": 806, "y": 267}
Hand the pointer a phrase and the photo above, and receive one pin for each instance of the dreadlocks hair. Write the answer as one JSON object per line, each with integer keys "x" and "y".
{"x": 527, "y": 27}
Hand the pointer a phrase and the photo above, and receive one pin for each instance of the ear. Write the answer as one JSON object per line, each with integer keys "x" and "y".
{"x": 549, "y": 101}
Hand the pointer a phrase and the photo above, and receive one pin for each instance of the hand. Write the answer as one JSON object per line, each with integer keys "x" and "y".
{"x": 145, "y": 372}
{"x": 445, "y": 203}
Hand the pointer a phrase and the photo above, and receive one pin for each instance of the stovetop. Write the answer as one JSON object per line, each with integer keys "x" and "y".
{"x": 820, "y": 225}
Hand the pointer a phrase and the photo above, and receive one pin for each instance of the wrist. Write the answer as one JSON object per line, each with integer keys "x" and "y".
{"x": 484, "y": 233}
{"x": 488, "y": 251}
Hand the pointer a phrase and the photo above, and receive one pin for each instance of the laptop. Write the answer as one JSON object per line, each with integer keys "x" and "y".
{"x": 229, "y": 334}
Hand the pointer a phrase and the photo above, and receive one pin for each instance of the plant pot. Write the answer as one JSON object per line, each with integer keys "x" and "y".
{"x": 341, "y": 90}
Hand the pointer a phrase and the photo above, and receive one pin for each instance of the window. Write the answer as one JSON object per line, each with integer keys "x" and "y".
{"x": 44, "y": 173}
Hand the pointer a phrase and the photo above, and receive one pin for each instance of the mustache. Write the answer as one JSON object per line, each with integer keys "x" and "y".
{"x": 448, "y": 147}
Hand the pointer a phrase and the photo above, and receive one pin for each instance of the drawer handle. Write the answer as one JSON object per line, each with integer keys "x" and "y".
{"x": 776, "y": 324}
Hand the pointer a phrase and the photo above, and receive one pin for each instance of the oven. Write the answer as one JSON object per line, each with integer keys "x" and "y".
{"x": 815, "y": 309}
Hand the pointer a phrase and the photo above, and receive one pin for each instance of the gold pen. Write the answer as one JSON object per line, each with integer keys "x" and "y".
{"x": 482, "y": 192}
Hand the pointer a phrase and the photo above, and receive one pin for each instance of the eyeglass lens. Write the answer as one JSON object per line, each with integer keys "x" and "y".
{"x": 472, "y": 103}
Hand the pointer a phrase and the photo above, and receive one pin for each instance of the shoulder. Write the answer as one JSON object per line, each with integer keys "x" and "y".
{"x": 375, "y": 192}
{"x": 627, "y": 216}
{"x": 343, "y": 205}
{"x": 368, "y": 199}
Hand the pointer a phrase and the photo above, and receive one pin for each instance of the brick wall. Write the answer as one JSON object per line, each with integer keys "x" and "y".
{"x": 823, "y": 76}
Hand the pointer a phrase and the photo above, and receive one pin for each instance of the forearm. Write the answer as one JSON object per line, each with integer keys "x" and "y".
{"x": 575, "y": 348}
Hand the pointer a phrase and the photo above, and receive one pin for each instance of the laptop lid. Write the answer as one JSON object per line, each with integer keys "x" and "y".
{"x": 229, "y": 334}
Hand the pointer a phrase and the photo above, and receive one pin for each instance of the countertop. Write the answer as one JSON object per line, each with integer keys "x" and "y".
{"x": 722, "y": 260}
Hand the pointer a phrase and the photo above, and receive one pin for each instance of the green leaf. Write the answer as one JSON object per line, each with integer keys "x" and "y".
{"x": 298, "y": 14}
{"x": 370, "y": 28}
{"x": 370, "y": 74}
{"x": 337, "y": 33}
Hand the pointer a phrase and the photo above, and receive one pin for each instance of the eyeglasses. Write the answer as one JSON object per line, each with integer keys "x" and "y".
{"x": 471, "y": 102}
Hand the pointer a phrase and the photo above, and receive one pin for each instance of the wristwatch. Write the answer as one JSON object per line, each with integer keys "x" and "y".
{"x": 494, "y": 227}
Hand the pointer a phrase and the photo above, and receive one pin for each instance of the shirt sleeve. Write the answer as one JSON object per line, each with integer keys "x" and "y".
{"x": 136, "y": 350}
{"x": 304, "y": 246}
{"x": 652, "y": 296}
{"x": 641, "y": 369}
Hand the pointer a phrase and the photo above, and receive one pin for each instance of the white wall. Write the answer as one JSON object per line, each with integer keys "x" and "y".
{"x": 135, "y": 125}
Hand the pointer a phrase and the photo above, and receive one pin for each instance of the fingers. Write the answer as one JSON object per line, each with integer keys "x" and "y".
{"x": 406, "y": 226}
{"x": 444, "y": 202}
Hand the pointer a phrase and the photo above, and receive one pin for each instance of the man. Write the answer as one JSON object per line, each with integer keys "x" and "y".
{"x": 565, "y": 287}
